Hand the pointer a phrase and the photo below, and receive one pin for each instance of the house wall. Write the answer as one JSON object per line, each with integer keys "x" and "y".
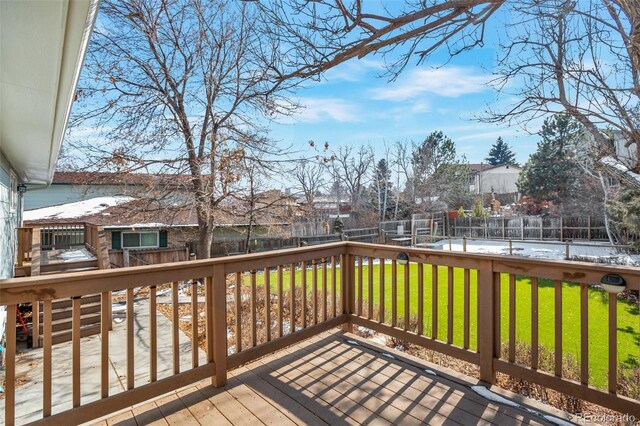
{"x": 502, "y": 179}
{"x": 10, "y": 217}
{"x": 64, "y": 193}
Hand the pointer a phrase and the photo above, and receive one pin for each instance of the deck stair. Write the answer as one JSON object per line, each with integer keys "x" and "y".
{"x": 62, "y": 319}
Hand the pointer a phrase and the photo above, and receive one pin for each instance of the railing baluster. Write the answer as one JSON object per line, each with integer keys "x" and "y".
{"x": 370, "y": 288}
{"x": 434, "y": 301}
{"x": 394, "y": 292}
{"x": 10, "y": 366}
{"x": 584, "y": 334}
{"x": 497, "y": 309}
{"x": 314, "y": 286}
{"x": 280, "y": 291}
{"x": 238, "y": 313}
{"x": 334, "y": 281}
{"x": 304, "y": 294}
{"x": 130, "y": 365}
{"x": 534, "y": 323}
{"x": 512, "y": 318}
{"x": 420, "y": 299}
{"x": 292, "y": 297}
{"x": 450, "y": 305}
{"x": 407, "y": 299}
{"x": 47, "y": 308}
{"x": 381, "y": 295}
{"x": 324, "y": 289}
{"x": 467, "y": 303}
{"x": 558, "y": 329}
{"x": 254, "y": 307}
{"x": 208, "y": 291}
{"x": 613, "y": 343}
{"x": 75, "y": 345}
{"x": 267, "y": 303}
{"x": 105, "y": 322}
{"x": 360, "y": 260}
{"x": 194, "y": 323}
{"x": 175, "y": 317}
{"x": 153, "y": 335}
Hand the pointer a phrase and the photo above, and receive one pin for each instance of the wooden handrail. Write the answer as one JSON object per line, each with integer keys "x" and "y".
{"x": 320, "y": 299}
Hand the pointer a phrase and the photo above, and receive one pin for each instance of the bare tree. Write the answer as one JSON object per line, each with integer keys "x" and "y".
{"x": 352, "y": 167}
{"x": 325, "y": 33}
{"x": 404, "y": 170}
{"x": 582, "y": 58}
{"x": 579, "y": 57}
{"x": 310, "y": 177}
{"x": 178, "y": 88}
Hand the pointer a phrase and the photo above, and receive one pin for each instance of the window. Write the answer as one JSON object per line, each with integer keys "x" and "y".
{"x": 139, "y": 239}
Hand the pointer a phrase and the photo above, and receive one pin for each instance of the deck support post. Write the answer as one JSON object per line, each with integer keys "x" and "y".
{"x": 347, "y": 281}
{"x": 488, "y": 283}
{"x": 219, "y": 326}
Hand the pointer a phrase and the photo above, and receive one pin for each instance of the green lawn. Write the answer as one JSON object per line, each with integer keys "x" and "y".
{"x": 628, "y": 313}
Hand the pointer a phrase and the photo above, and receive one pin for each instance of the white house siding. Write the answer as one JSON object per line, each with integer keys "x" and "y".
{"x": 502, "y": 179}
{"x": 9, "y": 217}
{"x": 57, "y": 194}
{"x": 9, "y": 220}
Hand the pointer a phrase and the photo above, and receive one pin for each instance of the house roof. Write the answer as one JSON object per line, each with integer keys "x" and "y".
{"x": 127, "y": 212}
{"x": 482, "y": 167}
{"x": 42, "y": 51}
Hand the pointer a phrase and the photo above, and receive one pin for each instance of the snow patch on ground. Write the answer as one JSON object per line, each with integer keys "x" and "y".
{"x": 77, "y": 209}
{"x": 544, "y": 250}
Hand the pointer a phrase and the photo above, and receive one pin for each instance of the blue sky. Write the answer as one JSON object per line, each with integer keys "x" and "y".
{"x": 354, "y": 105}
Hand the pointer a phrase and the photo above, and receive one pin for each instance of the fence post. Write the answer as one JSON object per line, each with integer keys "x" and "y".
{"x": 347, "y": 281}
{"x": 219, "y": 315}
{"x": 541, "y": 228}
{"x": 486, "y": 319}
{"x": 449, "y": 242}
{"x": 464, "y": 244}
{"x": 510, "y": 247}
{"x": 561, "y": 228}
{"x": 566, "y": 251}
{"x": 522, "y": 227}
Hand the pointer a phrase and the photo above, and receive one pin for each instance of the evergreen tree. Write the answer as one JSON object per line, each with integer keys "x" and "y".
{"x": 500, "y": 154}
{"x": 551, "y": 174}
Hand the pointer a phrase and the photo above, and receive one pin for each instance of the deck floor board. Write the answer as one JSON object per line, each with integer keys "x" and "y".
{"x": 329, "y": 379}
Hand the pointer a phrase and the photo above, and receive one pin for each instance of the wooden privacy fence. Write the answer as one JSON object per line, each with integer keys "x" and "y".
{"x": 252, "y": 305}
{"x": 530, "y": 228}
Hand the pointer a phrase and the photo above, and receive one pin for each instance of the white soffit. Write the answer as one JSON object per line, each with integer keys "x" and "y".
{"x": 42, "y": 48}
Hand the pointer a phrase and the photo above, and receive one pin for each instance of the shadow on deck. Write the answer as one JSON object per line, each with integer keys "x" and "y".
{"x": 336, "y": 378}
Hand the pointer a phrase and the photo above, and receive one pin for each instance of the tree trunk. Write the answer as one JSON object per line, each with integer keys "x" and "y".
{"x": 205, "y": 238}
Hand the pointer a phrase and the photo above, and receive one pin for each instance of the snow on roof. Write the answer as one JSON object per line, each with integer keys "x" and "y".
{"x": 75, "y": 210}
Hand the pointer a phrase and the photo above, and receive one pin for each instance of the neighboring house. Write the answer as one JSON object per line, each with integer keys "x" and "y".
{"x": 43, "y": 46}
{"x": 486, "y": 179}
{"x": 135, "y": 224}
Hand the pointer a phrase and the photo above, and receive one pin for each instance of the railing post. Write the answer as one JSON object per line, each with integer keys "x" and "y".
{"x": 486, "y": 320}
{"x": 347, "y": 281}
{"x": 35, "y": 305}
{"x": 219, "y": 315}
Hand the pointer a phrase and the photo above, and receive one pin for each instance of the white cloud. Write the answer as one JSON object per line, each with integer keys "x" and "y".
{"x": 352, "y": 71}
{"x": 450, "y": 82}
{"x": 317, "y": 110}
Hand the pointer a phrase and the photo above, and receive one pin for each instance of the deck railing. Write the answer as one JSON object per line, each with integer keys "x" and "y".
{"x": 256, "y": 304}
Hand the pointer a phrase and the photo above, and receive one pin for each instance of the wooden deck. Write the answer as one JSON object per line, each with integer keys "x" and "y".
{"x": 333, "y": 378}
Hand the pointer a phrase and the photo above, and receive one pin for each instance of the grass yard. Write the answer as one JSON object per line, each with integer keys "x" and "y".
{"x": 628, "y": 312}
